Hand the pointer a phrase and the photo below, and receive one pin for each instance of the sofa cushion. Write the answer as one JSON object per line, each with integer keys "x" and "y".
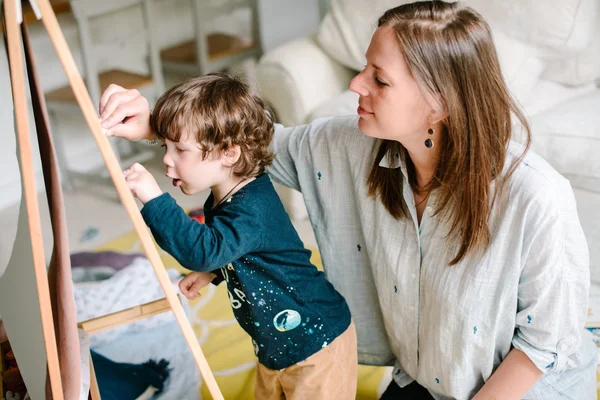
{"x": 581, "y": 69}
{"x": 589, "y": 215}
{"x": 568, "y": 137}
{"x": 344, "y": 103}
{"x": 555, "y": 28}
{"x": 548, "y": 94}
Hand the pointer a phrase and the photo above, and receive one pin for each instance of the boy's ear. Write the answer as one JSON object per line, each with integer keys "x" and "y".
{"x": 231, "y": 155}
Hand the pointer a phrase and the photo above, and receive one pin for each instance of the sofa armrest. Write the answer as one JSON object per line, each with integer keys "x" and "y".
{"x": 297, "y": 77}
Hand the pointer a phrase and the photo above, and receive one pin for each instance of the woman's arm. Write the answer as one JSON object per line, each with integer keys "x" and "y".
{"x": 515, "y": 376}
{"x": 288, "y": 145}
{"x": 552, "y": 296}
{"x": 300, "y": 149}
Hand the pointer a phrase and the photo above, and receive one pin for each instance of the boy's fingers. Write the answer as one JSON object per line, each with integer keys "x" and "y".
{"x": 137, "y": 167}
{"x": 196, "y": 286}
{"x": 132, "y": 178}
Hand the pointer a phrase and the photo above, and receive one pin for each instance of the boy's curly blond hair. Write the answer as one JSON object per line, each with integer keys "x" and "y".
{"x": 221, "y": 111}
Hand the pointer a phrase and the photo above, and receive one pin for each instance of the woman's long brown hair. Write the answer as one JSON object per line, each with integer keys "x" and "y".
{"x": 450, "y": 53}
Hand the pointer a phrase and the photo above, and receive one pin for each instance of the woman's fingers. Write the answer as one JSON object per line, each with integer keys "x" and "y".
{"x": 115, "y": 98}
{"x": 110, "y": 90}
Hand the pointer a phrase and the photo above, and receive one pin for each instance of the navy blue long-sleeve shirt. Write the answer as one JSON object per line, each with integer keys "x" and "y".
{"x": 283, "y": 301}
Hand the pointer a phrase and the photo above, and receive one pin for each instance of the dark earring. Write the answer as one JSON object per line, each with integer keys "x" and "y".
{"x": 429, "y": 143}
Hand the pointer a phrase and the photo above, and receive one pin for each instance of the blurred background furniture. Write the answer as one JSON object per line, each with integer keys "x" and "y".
{"x": 62, "y": 100}
{"x": 213, "y": 50}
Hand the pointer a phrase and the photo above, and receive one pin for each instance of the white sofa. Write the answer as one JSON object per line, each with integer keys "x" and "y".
{"x": 550, "y": 56}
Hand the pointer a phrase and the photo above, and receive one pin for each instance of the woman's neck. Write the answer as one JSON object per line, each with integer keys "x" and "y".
{"x": 424, "y": 158}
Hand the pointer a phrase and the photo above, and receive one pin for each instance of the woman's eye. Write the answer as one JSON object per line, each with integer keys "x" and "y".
{"x": 379, "y": 82}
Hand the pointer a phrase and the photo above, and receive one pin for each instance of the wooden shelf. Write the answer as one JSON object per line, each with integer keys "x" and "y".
{"x": 220, "y": 45}
{"x": 123, "y": 78}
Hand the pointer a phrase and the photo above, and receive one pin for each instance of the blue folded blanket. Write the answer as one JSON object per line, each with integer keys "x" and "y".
{"x": 123, "y": 381}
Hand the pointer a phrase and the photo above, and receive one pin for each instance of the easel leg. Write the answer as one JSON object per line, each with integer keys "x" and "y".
{"x": 94, "y": 390}
{"x": 30, "y": 193}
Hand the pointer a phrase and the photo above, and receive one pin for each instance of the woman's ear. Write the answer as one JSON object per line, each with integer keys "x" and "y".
{"x": 437, "y": 115}
{"x": 231, "y": 155}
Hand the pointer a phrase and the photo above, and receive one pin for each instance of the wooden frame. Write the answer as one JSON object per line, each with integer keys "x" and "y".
{"x": 114, "y": 320}
{"x": 14, "y": 45}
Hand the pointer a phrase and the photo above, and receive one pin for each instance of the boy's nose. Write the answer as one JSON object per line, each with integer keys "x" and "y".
{"x": 167, "y": 160}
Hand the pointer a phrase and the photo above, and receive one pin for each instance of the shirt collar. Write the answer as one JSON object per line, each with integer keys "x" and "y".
{"x": 394, "y": 160}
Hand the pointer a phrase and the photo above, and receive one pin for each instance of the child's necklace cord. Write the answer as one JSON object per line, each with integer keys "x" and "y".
{"x": 228, "y": 193}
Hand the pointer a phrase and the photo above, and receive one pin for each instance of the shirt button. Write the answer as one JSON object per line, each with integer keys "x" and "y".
{"x": 563, "y": 345}
{"x": 429, "y": 209}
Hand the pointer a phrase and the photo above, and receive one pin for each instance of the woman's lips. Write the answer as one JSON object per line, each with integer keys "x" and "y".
{"x": 362, "y": 112}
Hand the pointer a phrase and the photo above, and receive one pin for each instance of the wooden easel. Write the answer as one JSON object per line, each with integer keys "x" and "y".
{"x": 44, "y": 12}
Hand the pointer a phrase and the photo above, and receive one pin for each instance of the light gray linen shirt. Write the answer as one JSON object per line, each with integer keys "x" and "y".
{"x": 448, "y": 327}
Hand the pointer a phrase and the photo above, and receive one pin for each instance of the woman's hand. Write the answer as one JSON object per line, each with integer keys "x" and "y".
{"x": 125, "y": 113}
{"x": 191, "y": 284}
{"x": 141, "y": 183}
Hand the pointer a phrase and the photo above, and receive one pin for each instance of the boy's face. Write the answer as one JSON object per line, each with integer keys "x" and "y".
{"x": 187, "y": 168}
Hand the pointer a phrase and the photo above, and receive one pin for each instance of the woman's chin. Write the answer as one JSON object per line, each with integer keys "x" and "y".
{"x": 366, "y": 128}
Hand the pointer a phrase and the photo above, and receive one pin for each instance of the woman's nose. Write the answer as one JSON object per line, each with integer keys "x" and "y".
{"x": 357, "y": 85}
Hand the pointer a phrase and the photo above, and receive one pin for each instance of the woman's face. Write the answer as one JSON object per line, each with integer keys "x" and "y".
{"x": 391, "y": 106}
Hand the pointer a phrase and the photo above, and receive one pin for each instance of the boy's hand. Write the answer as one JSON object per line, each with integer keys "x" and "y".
{"x": 191, "y": 284}
{"x": 141, "y": 183}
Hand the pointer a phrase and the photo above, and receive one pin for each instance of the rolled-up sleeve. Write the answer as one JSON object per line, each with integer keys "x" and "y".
{"x": 554, "y": 284}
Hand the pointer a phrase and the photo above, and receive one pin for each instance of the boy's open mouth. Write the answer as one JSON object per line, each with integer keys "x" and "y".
{"x": 176, "y": 182}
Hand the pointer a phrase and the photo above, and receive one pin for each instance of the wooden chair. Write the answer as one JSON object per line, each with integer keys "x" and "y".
{"x": 213, "y": 51}
{"x": 62, "y": 100}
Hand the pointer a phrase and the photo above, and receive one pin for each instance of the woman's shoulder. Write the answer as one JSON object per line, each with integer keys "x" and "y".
{"x": 536, "y": 182}
{"x": 330, "y": 134}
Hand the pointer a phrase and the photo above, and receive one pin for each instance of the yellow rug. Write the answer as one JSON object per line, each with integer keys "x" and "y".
{"x": 226, "y": 346}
